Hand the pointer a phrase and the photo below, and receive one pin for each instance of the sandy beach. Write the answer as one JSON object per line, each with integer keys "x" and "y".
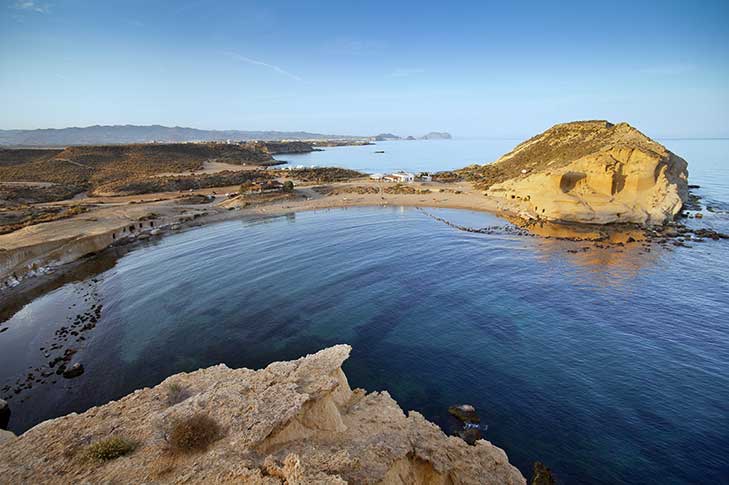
{"x": 45, "y": 248}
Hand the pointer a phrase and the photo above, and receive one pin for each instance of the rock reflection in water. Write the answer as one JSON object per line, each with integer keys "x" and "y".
{"x": 612, "y": 253}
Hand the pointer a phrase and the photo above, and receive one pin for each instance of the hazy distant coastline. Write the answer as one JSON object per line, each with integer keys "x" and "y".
{"x": 123, "y": 134}
{"x": 126, "y": 134}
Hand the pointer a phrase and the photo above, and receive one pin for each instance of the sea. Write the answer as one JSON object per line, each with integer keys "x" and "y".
{"x": 610, "y": 365}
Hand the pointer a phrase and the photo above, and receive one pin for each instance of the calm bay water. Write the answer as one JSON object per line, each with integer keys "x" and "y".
{"x": 415, "y": 156}
{"x": 610, "y": 365}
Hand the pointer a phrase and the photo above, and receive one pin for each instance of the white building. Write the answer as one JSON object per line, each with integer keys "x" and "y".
{"x": 402, "y": 177}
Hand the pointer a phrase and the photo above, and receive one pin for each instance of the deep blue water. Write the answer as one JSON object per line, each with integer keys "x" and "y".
{"x": 611, "y": 366}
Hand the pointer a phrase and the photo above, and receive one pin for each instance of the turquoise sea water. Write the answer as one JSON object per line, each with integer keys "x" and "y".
{"x": 610, "y": 365}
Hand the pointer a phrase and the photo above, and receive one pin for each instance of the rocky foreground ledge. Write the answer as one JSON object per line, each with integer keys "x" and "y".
{"x": 293, "y": 422}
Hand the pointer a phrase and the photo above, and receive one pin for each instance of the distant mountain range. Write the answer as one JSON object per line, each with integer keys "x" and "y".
{"x": 121, "y": 134}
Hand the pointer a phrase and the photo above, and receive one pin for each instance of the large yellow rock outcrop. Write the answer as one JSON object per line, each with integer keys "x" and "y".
{"x": 593, "y": 172}
{"x": 293, "y": 422}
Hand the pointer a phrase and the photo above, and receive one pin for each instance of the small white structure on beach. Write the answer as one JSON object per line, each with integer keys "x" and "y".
{"x": 401, "y": 177}
{"x": 377, "y": 176}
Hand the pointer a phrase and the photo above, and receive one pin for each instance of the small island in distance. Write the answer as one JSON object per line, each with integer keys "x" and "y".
{"x": 433, "y": 135}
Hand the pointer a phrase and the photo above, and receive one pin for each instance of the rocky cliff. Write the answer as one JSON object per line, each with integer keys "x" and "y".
{"x": 589, "y": 172}
{"x": 293, "y": 422}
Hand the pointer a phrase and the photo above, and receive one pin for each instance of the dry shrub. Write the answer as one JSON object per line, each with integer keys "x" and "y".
{"x": 176, "y": 394}
{"x": 109, "y": 449}
{"x": 193, "y": 434}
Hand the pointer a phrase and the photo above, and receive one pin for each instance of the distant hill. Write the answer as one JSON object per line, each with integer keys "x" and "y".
{"x": 124, "y": 134}
{"x": 436, "y": 135}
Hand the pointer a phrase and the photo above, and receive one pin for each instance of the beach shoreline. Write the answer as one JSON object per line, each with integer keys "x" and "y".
{"x": 114, "y": 221}
{"x": 41, "y": 255}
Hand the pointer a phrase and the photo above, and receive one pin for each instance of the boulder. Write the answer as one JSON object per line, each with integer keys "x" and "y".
{"x": 542, "y": 475}
{"x": 4, "y": 414}
{"x": 74, "y": 371}
{"x": 6, "y": 435}
{"x": 465, "y": 412}
{"x": 470, "y": 433}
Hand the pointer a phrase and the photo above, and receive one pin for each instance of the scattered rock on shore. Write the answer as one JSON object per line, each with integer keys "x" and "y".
{"x": 4, "y": 414}
{"x": 74, "y": 371}
{"x": 542, "y": 475}
{"x": 470, "y": 432}
{"x": 6, "y": 435}
{"x": 465, "y": 412}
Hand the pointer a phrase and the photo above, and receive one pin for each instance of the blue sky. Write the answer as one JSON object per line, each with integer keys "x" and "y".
{"x": 476, "y": 69}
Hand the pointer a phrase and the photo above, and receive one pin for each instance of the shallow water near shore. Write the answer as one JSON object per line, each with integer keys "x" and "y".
{"x": 611, "y": 365}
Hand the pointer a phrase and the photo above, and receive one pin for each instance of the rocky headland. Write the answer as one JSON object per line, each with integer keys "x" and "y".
{"x": 591, "y": 172}
{"x": 293, "y": 422}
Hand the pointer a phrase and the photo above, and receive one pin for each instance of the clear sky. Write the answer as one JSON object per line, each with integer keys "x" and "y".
{"x": 475, "y": 69}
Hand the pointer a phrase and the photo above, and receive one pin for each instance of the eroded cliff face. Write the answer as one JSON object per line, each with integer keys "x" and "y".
{"x": 293, "y": 422}
{"x": 592, "y": 172}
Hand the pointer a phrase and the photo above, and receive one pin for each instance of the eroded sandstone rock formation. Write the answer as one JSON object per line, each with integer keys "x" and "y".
{"x": 592, "y": 172}
{"x": 293, "y": 422}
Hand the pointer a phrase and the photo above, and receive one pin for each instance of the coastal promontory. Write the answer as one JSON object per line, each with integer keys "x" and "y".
{"x": 588, "y": 172}
{"x": 295, "y": 422}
